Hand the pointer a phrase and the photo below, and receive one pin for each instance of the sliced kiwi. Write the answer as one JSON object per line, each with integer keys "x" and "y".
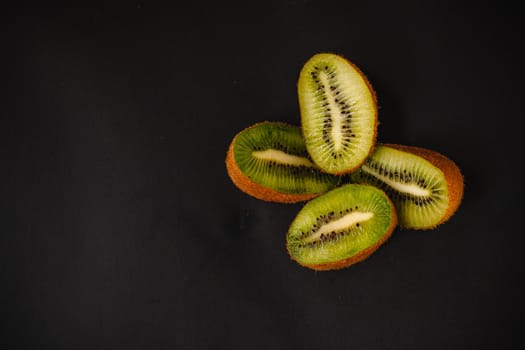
{"x": 338, "y": 113}
{"x": 269, "y": 161}
{"x": 341, "y": 227}
{"x": 425, "y": 186}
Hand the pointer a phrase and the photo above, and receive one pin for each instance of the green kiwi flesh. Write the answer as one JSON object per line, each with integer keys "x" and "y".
{"x": 274, "y": 155}
{"x": 418, "y": 188}
{"x": 338, "y": 113}
{"x": 341, "y": 227}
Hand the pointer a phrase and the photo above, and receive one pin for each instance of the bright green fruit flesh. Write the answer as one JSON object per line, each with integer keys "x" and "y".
{"x": 274, "y": 155}
{"x": 338, "y": 113}
{"x": 418, "y": 188}
{"x": 341, "y": 227}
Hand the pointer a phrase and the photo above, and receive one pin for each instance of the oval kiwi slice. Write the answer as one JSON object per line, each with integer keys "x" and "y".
{"x": 269, "y": 161}
{"x": 341, "y": 227}
{"x": 338, "y": 113}
{"x": 425, "y": 186}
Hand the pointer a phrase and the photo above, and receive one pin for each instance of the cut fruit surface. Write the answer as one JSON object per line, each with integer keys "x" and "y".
{"x": 425, "y": 186}
{"x": 269, "y": 161}
{"x": 341, "y": 227}
{"x": 338, "y": 113}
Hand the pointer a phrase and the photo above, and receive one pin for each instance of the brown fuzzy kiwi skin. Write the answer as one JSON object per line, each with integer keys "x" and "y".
{"x": 245, "y": 184}
{"x": 376, "y": 121}
{"x": 452, "y": 174}
{"x": 362, "y": 255}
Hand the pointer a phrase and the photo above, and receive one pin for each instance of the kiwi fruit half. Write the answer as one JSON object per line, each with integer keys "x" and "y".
{"x": 341, "y": 227}
{"x": 338, "y": 113}
{"x": 425, "y": 186}
{"x": 269, "y": 161}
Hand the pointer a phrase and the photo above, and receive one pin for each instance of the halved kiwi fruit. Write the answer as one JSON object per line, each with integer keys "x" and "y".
{"x": 269, "y": 161}
{"x": 425, "y": 186}
{"x": 341, "y": 227}
{"x": 338, "y": 113}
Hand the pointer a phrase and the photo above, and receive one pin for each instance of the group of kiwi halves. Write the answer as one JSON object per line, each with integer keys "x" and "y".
{"x": 347, "y": 218}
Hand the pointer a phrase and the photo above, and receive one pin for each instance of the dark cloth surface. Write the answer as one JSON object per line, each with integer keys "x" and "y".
{"x": 121, "y": 229}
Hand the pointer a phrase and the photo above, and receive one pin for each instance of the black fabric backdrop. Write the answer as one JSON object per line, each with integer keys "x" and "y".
{"x": 121, "y": 229}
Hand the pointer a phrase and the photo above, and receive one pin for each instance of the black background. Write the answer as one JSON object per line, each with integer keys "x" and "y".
{"x": 121, "y": 229}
